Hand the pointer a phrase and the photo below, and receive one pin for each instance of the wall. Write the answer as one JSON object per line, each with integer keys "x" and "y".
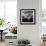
{"x": 31, "y": 32}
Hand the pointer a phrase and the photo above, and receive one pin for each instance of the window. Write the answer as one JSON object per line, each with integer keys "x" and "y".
{"x": 44, "y": 12}
{"x": 1, "y": 9}
{"x": 8, "y": 11}
{"x": 11, "y": 11}
{"x": 44, "y": 16}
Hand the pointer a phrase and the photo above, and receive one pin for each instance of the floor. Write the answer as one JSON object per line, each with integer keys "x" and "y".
{"x": 2, "y": 43}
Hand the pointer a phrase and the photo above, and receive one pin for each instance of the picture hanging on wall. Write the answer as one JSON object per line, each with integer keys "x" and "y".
{"x": 27, "y": 16}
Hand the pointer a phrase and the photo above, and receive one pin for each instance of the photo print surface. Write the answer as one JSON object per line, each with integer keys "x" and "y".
{"x": 27, "y": 16}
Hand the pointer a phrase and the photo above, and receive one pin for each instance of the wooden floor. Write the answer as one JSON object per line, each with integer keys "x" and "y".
{"x": 2, "y": 43}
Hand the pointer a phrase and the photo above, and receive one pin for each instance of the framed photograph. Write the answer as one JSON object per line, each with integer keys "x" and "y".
{"x": 27, "y": 16}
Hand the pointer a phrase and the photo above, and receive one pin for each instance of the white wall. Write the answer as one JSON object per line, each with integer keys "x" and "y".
{"x": 31, "y": 32}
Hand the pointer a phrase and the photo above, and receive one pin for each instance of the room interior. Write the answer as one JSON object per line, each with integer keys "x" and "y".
{"x": 22, "y": 22}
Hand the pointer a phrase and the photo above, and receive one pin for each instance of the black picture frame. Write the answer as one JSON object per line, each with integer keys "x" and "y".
{"x": 27, "y": 16}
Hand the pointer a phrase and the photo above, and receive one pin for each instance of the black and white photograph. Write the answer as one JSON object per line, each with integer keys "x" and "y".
{"x": 27, "y": 16}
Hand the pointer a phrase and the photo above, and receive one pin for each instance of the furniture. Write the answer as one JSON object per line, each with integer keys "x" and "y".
{"x": 2, "y": 29}
{"x": 1, "y": 34}
{"x": 43, "y": 39}
{"x": 24, "y": 42}
{"x": 11, "y": 39}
